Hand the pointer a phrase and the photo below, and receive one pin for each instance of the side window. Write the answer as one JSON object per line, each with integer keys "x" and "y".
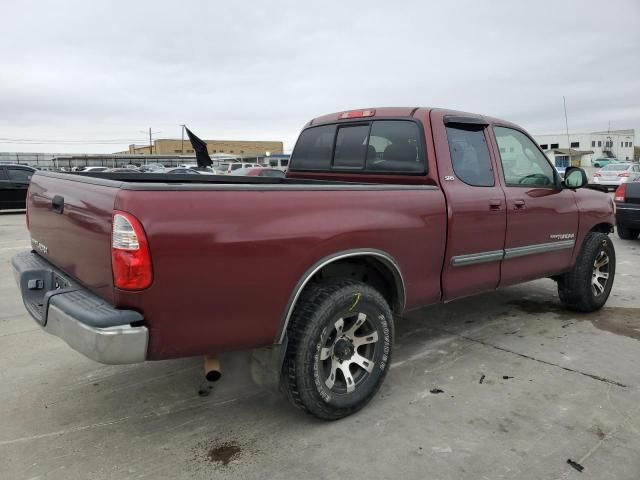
{"x": 313, "y": 149}
{"x": 20, "y": 174}
{"x": 395, "y": 146}
{"x": 522, "y": 163}
{"x": 3, "y": 174}
{"x": 284, "y": 162}
{"x": 470, "y": 155}
{"x": 351, "y": 146}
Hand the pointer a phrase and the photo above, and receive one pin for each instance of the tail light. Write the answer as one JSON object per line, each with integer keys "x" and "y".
{"x": 624, "y": 174}
{"x": 621, "y": 192}
{"x": 130, "y": 257}
{"x": 357, "y": 114}
{"x": 597, "y": 174}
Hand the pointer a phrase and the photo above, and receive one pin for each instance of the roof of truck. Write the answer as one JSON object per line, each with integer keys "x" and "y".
{"x": 378, "y": 112}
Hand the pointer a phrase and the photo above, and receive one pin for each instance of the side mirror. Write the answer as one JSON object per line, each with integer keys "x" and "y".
{"x": 575, "y": 177}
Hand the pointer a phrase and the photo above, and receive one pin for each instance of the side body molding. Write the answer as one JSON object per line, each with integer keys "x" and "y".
{"x": 379, "y": 255}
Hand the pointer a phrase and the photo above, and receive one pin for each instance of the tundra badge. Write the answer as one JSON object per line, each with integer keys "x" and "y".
{"x": 562, "y": 236}
{"x": 41, "y": 247}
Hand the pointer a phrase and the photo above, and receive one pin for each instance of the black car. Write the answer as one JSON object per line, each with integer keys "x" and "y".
{"x": 14, "y": 182}
{"x": 627, "y": 198}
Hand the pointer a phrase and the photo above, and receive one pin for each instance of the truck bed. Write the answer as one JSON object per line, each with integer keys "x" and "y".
{"x": 227, "y": 251}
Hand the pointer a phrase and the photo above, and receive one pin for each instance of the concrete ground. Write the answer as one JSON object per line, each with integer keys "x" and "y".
{"x": 555, "y": 386}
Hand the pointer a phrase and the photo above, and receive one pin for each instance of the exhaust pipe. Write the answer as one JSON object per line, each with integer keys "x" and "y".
{"x": 212, "y": 370}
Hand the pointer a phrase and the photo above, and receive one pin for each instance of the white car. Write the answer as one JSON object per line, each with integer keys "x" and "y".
{"x": 615, "y": 174}
{"x": 227, "y": 168}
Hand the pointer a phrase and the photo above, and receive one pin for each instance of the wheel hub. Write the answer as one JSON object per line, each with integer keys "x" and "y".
{"x": 343, "y": 349}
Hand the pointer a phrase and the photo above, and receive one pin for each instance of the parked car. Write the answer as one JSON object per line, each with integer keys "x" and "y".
{"x": 14, "y": 183}
{"x": 203, "y": 170}
{"x": 152, "y": 168}
{"x": 627, "y": 198}
{"x": 614, "y": 174}
{"x": 259, "y": 172}
{"x": 122, "y": 170}
{"x": 602, "y": 162}
{"x": 382, "y": 211}
{"x": 182, "y": 170}
{"x": 280, "y": 162}
{"x": 227, "y": 168}
{"x": 92, "y": 169}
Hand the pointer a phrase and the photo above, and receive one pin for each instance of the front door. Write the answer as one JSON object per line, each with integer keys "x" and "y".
{"x": 542, "y": 218}
{"x": 476, "y": 214}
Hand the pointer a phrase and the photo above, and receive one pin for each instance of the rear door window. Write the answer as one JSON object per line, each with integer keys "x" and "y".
{"x": 314, "y": 148}
{"x": 470, "y": 155}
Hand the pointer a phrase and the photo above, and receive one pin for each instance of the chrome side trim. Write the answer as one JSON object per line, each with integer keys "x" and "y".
{"x": 538, "y": 248}
{"x": 387, "y": 259}
{"x": 498, "y": 255}
{"x": 628, "y": 208}
{"x": 476, "y": 258}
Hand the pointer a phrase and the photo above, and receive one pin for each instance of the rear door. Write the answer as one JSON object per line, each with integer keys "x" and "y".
{"x": 476, "y": 215}
{"x": 542, "y": 218}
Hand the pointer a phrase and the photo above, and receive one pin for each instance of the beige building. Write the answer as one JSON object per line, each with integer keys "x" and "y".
{"x": 169, "y": 146}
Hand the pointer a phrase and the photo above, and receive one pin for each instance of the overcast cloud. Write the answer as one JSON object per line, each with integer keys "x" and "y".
{"x": 85, "y": 70}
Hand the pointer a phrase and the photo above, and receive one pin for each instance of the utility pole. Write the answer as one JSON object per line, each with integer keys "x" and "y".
{"x": 566, "y": 124}
{"x": 150, "y": 139}
{"x": 182, "y": 146}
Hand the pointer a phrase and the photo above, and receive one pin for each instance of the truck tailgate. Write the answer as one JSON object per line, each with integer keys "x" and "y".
{"x": 70, "y": 224}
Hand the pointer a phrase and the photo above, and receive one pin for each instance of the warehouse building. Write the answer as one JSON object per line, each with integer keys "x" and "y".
{"x": 581, "y": 149}
{"x": 170, "y": 146}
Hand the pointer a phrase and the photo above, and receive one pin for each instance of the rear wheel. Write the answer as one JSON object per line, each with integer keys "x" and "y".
{"x": 339, "y": 348}
{"x": 587, "y": 286}
{"x": 627, "y": 233}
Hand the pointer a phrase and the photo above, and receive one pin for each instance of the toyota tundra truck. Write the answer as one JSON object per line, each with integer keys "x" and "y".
{"x": 382, "y": 211}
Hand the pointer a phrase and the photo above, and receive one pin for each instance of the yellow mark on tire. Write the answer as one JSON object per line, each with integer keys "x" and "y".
{"x": 358, "y": 296}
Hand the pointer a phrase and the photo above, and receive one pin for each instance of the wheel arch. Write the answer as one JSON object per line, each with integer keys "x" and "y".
{"x": 374, "y": 267}
{"x": 604, "y": 227}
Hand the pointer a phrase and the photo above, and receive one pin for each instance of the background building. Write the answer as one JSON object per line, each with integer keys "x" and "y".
{"x": 582, "y": 148}
{"x": 170, "y": 146}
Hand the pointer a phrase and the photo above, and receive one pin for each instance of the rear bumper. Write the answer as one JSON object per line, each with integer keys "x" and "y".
{"x": 87, "y": 323}
{"x": 628, "y": 215}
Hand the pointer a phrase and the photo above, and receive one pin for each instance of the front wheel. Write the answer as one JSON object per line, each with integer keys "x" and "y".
{"x": 587, "y": 286}
{"x": 339, "y": 348}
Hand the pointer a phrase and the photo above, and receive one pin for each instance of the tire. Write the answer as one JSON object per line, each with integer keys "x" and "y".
{"x": 587, "y": 286}
{"x": 626, "y": 233}
{"x": 322, "y": 345}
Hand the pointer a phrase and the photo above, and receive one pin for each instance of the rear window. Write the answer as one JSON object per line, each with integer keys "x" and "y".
{"x": 385, "y": 146}
{"x": 20, "y": 174}
{"x": 616, "y": 167}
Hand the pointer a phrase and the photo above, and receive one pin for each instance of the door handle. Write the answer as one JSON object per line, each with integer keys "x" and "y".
{"x": 495, "y": 204}
{"x": 57, "y": 204}
{"x": 519, "y": 204}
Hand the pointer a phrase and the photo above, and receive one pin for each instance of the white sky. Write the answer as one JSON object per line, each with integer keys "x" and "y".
{"x": 89, "y": 70}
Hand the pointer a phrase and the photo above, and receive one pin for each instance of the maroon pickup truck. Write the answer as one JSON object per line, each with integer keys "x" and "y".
{"x": 382, "y": 211}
